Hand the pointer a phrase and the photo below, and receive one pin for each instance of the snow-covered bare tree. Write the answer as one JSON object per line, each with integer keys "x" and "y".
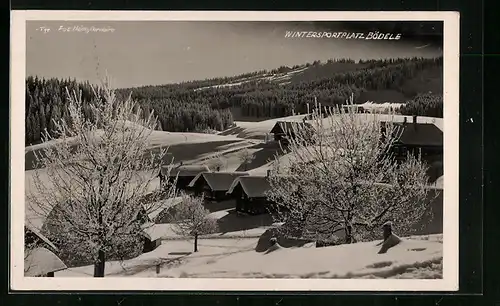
{"x": 343, "y": 182}
{"x": 92, "y": 178}
{"x": 29, "y": 248}
{"x": 245, "y": 157}
{"x": 191, "y": 219}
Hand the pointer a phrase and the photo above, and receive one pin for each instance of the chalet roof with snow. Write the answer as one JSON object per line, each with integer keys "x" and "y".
{"x": 154, "y": 231}
{"x": 420, "y": 134}
{"x": 284, "y": 127}
{"x": 188, "y": 170}
{"x": 253, "y": 186}
{"x": 29, "y": 229}
{"x": 41, "y": 261}
{"x": 217, "y": 181}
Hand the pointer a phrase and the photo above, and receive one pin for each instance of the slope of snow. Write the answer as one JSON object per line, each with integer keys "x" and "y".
{"x": 236, "y": 258}
{"x": 265, "y": 77}
{"x": 257, "y": 130}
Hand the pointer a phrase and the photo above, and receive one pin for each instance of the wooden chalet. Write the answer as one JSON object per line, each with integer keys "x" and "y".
{"x": 182, "y": 175}
{"x": 418, "y": 138}
{"x": 40, "y": 259}
{"x": 214, "y": 185}
{"x": 250, "y": 194}
{"x": 284, "y": 130}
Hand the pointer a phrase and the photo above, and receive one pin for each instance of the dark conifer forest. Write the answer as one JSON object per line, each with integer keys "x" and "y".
{"x": 213, "y": 104}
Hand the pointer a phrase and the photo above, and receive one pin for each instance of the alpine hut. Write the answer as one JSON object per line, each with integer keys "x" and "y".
{"x": 40, "y": 259}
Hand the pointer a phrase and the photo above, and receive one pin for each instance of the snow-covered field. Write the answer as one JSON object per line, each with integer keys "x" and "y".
{"x": 259, "y": 129}
{"x": 415, "y": 257}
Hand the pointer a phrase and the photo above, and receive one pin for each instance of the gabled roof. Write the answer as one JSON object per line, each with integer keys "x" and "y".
{"x": 421, "y": 134}
{"x": 218, "y": 181}
{"x": 289, "y": 126}
{"x": 40, "y": 261}
{"x": 188, "y": 170}
{"x": 253, "y": 186}
{"x": 29, "y": 228}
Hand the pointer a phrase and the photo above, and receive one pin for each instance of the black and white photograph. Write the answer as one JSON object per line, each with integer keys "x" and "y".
{"x": 234, "y": 151}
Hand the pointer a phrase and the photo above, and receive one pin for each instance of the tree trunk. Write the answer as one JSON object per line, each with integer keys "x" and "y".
{"x": 196, "y": 243}
{"x": 348, "y": 234}
{"x": 99, "y": 265}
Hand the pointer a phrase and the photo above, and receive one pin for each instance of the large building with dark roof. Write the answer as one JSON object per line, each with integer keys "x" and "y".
{"x": 214, "y": 185}
{"x": 40, "y": 259}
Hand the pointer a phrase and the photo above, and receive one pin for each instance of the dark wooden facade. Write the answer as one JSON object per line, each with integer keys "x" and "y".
{"x": 419, "y": 139}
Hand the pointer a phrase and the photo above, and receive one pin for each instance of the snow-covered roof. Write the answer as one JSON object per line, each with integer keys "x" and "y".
{"x": 253, "y": 186}
{"x": 188, "y": 170}
{"x": 158, "y": 207}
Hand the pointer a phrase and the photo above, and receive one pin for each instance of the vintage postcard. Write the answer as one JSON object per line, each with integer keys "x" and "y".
{"x": 263, "y": 151}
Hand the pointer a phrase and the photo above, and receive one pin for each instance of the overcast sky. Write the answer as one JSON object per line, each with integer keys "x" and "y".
{"x": 151, "y": 53}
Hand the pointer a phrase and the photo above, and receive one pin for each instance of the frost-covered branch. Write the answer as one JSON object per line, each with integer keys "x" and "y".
{"x": 338, "y": 172}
